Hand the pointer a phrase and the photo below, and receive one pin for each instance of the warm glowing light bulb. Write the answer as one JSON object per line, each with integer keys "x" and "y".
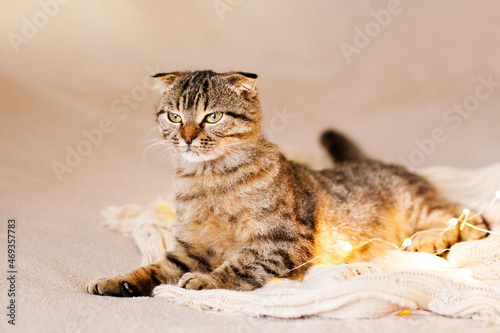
{"x": 453, "y": 221}
{"x": 406, "y": 243}
{"x": 347, "y": 247}
{"x": 466, "y": 211}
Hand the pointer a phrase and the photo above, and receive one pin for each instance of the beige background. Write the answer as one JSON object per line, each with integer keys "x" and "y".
{"x": 81, "y": 64}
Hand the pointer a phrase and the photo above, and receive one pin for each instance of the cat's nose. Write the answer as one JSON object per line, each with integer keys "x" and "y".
{"x": 189, "y": 139}
{"x": 189, "y": 133}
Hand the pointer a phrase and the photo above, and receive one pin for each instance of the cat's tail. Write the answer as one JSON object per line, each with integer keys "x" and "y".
{"x": 340, "y": 148}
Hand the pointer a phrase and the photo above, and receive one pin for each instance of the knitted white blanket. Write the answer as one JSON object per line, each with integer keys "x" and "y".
{"x": 466, "y": 285}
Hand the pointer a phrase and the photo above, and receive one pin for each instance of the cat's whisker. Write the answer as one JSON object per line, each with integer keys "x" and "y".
{"x": 144, "y": 140}
{"x": 166, "y": 152}
{"x": 155, "y": 145}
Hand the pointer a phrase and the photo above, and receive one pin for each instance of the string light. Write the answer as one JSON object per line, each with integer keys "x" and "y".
{"x": 453, "y": 222}
{"x": 442, "y": 251}
{"x": 341, "y": 245}
{"x": 404, "y": 313}
{"x": 481, "y": 229}
{"x": 347, "y": 246}
{"x": 492, "y": 202}
{"x": 406, "y": 243}
{"x": 467, "y": 213}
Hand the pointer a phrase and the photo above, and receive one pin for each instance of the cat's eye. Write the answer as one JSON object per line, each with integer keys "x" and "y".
{"x": 213, "y": 117}
{"x": 175, "y": 118}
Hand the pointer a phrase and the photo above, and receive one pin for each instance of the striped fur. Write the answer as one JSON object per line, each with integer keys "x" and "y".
{"x": 245, "y": 214}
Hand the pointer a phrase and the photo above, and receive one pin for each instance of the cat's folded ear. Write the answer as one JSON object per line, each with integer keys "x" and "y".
{"x": 244, "y": 82}
{"x": 165, "y": 81}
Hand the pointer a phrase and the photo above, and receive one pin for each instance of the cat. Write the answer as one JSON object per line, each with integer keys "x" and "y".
{"x": 245, "y": 214}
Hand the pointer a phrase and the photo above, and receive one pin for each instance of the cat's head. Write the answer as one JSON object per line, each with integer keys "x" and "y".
{"x": 206, "y": 115}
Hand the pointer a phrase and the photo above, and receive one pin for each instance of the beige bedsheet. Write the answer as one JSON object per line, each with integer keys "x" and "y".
{"x": 76, "y": 109}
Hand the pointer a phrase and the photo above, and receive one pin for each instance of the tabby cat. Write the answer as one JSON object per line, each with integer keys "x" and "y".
{"x": 245, "y": 214}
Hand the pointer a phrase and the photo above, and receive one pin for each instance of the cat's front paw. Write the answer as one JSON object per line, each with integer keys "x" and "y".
{"x": 197, "y": 281}
{"x": 112, "y": 286}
